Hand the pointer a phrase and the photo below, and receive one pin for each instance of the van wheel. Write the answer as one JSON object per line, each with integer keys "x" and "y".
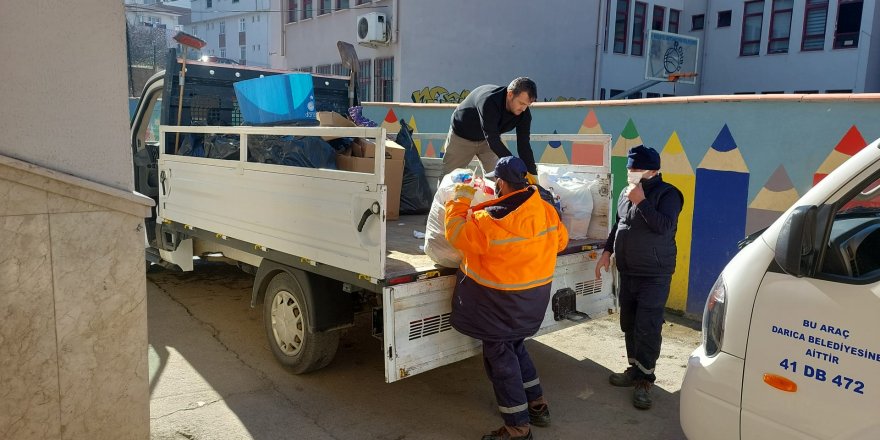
{"x": 286, "y": 316}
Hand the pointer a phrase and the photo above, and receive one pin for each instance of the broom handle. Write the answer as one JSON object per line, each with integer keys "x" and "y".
{"x": 180, "y": 100}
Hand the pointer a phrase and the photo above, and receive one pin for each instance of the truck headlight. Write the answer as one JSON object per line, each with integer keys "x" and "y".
{"x": 713, "y": 318}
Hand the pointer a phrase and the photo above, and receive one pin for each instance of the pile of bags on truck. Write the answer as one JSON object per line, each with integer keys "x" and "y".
{"x": 581, "y": 202}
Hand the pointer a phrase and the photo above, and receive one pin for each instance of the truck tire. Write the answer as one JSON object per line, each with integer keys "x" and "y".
{"x": 286, "y": 317}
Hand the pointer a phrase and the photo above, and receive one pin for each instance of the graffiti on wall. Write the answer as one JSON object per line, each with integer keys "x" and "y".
{"x": 438, "y": 94}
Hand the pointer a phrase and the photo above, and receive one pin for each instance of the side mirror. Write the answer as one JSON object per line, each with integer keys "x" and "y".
{"x": 795, "y": 247}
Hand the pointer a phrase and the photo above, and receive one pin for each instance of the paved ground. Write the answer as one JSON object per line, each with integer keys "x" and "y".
{"x": 212, "y": 376}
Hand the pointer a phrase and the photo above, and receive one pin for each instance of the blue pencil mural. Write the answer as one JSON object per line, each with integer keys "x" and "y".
{"x": 720, "y": 206}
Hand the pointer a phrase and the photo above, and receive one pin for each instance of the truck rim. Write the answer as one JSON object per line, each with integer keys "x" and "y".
{"x": 287, "y": 323}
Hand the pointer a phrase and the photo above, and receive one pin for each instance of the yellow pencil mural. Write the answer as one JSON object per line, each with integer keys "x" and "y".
{"x": 418, "y": 142}
{"x": 554, "y": 153}
{"x": 677, "y": 170}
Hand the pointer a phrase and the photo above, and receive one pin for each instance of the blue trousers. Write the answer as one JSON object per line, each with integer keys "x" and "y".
{"x": 513, "y": 377}
{"x": 642, "y": 301}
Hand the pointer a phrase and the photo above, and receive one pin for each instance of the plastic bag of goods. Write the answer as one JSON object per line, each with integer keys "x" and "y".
{"x": 599, "y": 190}
{"x": 575, "y": 199}
{"x": 436, "y": 246}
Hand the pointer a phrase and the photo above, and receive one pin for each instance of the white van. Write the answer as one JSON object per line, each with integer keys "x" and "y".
{"x": 791, "y": 328}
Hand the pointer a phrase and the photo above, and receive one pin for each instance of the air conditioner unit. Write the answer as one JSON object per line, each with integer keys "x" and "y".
{"x": 372, "y": 28}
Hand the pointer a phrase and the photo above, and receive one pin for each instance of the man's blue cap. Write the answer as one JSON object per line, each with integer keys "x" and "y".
{"x": 643, "y": 158}
{"x": 510, "y": 169}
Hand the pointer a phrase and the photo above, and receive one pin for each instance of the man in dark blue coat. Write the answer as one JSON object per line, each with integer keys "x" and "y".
{"x": 643, "y": 240}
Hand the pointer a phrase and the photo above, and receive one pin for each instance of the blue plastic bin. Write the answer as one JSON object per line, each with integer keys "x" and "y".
{"x": 277, "y": 99}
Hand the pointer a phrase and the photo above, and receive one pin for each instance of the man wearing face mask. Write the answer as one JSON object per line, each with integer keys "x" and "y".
{"x": 479, "y": 120}
{"x": 643, "y": 240}
{"x": 502, "y": 289}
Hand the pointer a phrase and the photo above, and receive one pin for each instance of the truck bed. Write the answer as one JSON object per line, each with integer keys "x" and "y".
{"x": 405, "y": 257}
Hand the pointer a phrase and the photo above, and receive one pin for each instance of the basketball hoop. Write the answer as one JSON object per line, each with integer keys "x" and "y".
{"x": 671, "y": 57}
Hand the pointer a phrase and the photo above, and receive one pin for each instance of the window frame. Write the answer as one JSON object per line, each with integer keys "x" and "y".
{"x": 742, "y": 38}
{"x": 662, "y": 10}
{"x": 638, "y": 32}
{"x": 837, "y": 43}
{"x": 242, "y": 25}
{"x": 325, "y": 7}
{"x": 365, "y": 80}
{"x": 774, "y": 13}
{"x": 292, "y": 11}
{"x": 307, "y": 12}
{"x": 624, "y": 32}
{"x": 339, "y": 6}
{"x": 677, "y": 21}
{"x": 818, "y": 5}
{"x": 702, "y": 18}
{"x": 729, "y": 19}
{"x": 383, "y": 79}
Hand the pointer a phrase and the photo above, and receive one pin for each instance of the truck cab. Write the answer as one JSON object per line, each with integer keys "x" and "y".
{"x": 790, "y": 347}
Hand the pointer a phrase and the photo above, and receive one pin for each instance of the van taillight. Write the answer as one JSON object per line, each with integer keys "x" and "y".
{"x": 713, "y": 317}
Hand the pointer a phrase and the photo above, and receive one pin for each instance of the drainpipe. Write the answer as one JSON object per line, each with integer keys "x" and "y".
{"x": 395, "y": 40}
{"x": 597, "y": 60}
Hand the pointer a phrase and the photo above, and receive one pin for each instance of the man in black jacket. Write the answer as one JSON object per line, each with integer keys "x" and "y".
{"x": 643, "y": 238}
{"x": 479, "y": 120}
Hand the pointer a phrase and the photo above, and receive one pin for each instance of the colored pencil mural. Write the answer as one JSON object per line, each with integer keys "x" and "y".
{"x": 416, "y": 141}
{"x": 777, "y": 195}
{"x": 849, "y": 145}
{"x": 628, "y": 138}
{"x": 431, "y": 152}
{"x": 677, "y": 170}
{"x": 588, "y": 153}
{"x": 720, "y": 202}
{"x": 554, "y": 153}
{"x": 390, "y": 123}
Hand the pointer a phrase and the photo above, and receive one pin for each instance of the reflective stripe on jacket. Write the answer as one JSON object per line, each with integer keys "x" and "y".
{"x": 509, "y": 248}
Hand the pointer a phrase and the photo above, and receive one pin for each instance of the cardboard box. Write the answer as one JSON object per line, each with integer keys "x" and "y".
{"x": 393, "y": 150}
{"x": 333, "y": 119}
{"x": 393, "y": 177}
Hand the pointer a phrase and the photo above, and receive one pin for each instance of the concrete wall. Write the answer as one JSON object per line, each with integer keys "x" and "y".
{"x": 740, "y": 160}
{"x": 73, "y": 56}
{"x": 73, "y": 332}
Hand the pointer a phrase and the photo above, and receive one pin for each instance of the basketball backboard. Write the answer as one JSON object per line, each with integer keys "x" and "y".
{"x": 672, "y": 57}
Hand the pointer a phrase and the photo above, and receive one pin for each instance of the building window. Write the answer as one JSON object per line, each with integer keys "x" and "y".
{"x": 222, "y": 27}
{"x": 638, "y": 39}
{"x": 234, "y": 1}
{"x": 621, "y": 26}
{"x": 658, "y": 18}
{"x": 780, "y": 26}
{"x": 307, "y": 69}
{"x": 839, "y": 91}
{"x": 208, "y": 4}
{"x": 674, "y": 16}
{"x": 806, "y": 92}
{"x": 362, "y": 2}
{"x": 724, "y": 18}
{"x": 815, "y": 20}
{"x": 222, "y": 52}
{"x": 614, "y": 92}
{"x": 697, "y": 22}
{"x": 341, "y": 4}
{"x": 849, "y": 24}
{"x": 384, "y": 79}
{"x": 241, "y": 25}
{"x": 323, "y": 69}
{"x": 652, "y": 95}
{"x": 325, "y": 6}
{"x": 364, "y": 80}
{"x": 601, "y": 94}
{"x": 242, "y": 54}
{"x": 291, "y": 11}
{"x": 753, "y": 17}
{"x": 607, "y": 25}
{"x": 339, "y": 69}
{"x": 307, "y": 9}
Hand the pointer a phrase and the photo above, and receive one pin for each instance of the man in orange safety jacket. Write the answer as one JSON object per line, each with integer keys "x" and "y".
{"x": 508, "y": 248}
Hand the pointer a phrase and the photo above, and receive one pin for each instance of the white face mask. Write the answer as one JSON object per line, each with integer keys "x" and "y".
{"x": 634, "y": 177}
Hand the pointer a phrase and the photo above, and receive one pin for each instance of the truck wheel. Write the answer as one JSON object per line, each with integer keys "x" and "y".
{"x": 286, "y": 316}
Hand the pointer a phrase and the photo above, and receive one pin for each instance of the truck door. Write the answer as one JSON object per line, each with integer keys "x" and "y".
{"x": 812, "y": 367}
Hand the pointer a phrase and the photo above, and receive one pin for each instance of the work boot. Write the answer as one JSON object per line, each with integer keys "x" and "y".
{"x": 625, "y": 379}
{"x": 539, "y": 415}
{"x": 510, "y": 433}
{"x": 642, "y": 395}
